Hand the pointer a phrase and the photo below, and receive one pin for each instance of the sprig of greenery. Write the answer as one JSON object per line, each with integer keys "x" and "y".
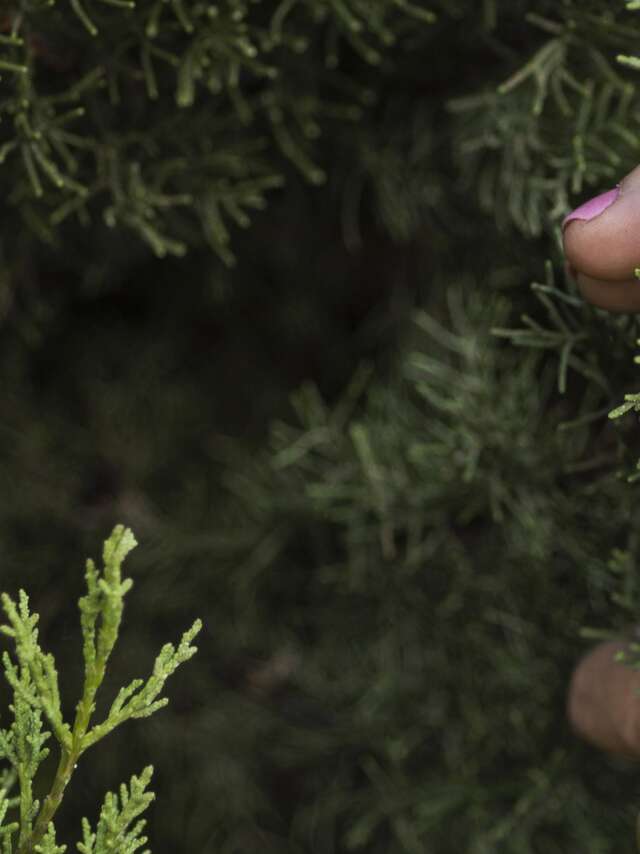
{"x": 33, "y": 678}
{"x": 116, "y": 830}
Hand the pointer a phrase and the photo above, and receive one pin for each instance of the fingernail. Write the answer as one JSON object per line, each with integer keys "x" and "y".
{"x": 593, "y": 208}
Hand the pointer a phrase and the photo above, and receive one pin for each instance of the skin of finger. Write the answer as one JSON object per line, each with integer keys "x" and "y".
{"x": 603, "y": 705}
{"x": 617, "y": 297}
{"x": 607, "y": 247}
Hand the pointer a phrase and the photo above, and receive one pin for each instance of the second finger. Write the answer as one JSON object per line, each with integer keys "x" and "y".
{"x": 618, "y": 297}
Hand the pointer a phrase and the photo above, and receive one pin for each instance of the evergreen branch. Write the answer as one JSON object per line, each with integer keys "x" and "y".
{"x": 100, "y": 618}
{"x": 27, "y": 753}
{"x": 139, "y": 699}
{"x": 48, "y": 845}
{"x": 34, "y": 681}
{"x": 115, "y": 830}
{"x": 37, "y": 681}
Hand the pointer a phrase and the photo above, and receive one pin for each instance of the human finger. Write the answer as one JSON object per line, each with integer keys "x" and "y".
{"x": 602, "y": 236}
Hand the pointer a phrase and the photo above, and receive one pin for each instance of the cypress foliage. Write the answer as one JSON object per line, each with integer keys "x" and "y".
{"x": 282, "y": 289}
{"x": 33, "y": 678}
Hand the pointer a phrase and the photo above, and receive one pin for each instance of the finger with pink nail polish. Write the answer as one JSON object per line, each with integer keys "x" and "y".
{"x": 602, "y": 244}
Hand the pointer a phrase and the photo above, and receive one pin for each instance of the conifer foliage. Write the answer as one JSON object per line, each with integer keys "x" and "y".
{"x": 37, "y": 704}
{"x": 405, "y": 557}
{"x": 172, "y": 119}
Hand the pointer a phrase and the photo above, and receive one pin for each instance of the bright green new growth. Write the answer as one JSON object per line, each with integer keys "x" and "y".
{"x": 25, "y": 824}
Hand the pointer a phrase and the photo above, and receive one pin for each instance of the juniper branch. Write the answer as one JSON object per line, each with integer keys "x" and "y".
{"x": 34, "y": 681}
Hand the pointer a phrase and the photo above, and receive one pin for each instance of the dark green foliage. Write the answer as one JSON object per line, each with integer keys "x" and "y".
{"x": 179, "y": 124}
{"x": 563, "y": 123}
{"x": 376, "y": 455}
{"x": 449, "y": 520}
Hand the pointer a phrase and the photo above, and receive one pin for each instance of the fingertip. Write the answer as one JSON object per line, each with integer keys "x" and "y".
{"x": 606, "y": 247}
{"x": 587, "y": 248}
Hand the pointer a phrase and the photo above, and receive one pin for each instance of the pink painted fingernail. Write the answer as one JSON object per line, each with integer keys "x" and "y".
{"x": 592, "y": 208}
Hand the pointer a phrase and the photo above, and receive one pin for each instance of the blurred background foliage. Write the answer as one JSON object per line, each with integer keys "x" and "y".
{"x": 363, "y": 435}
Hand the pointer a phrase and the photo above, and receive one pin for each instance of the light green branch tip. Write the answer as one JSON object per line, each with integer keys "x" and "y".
{"x": 33, "y": 677}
